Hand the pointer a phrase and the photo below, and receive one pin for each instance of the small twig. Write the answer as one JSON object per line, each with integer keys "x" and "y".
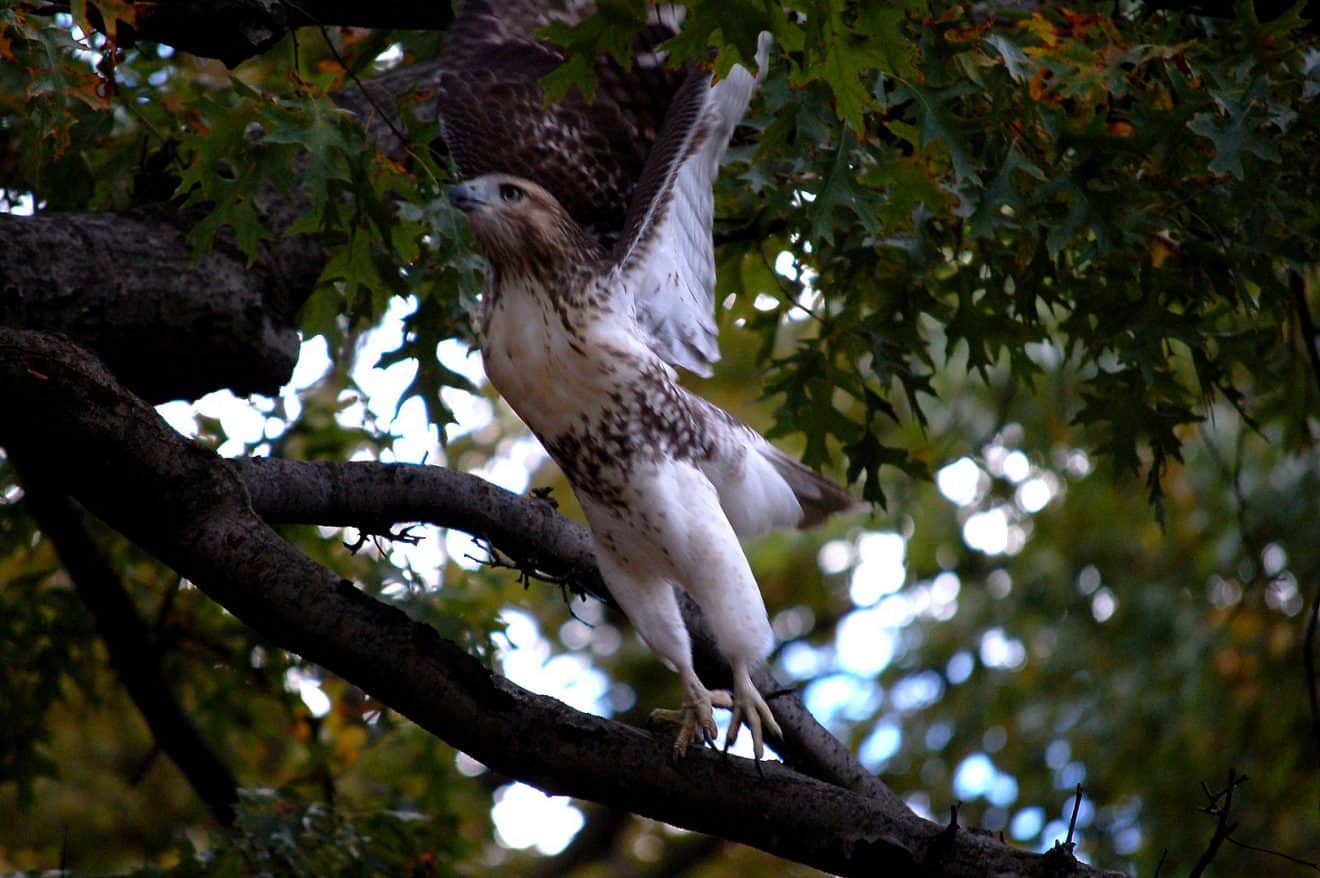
{"x": 1308, "y": 657}
{"x": 1062, "y": 854}
{"x": 544, "y": 495}
{"x": 527, "y": 570}
{"x": 785, "y": 690}
{"x": 339, "y": 59}
{"x": 1072, "y": 821}
{"x": 404, "y": 535}
{"x": 1280, "y": 854}
{"x": 136, "y": 776}
{"x": 1223, "y": 829}
{"x": 1310, "y": 336}
{"x": 1160, "y": 864}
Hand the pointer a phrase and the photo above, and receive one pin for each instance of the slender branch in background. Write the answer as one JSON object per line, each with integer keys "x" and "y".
{"x": 1298, "y": 861}
{"x": 129, "y": 642}
{"x": 1221, "y": 806}
{"x": 1308, "y": 661}
{"x": 343, "y": 65}
{"x": 1310, "y": 338}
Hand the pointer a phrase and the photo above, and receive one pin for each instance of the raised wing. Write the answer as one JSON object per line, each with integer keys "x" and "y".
{"x": 588, "y": 155}
{"x": 666, "y": 257}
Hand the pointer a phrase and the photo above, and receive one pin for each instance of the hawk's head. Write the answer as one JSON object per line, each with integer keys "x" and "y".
{"x": 521, "y": 227}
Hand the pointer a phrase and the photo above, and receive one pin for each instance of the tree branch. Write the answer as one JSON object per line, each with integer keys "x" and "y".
{"x": 376, "y": 496}
{"x": 235, "y": 30}
{"x": 1310, "y": 338}
{"x": 1221, "y": 808}
{"x": 180, "y": 502}
{"x": 129, "y": 642}
{"x": 126, "y": 285}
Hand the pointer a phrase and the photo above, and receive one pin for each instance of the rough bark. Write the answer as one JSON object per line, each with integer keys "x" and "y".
{"x": 235, "y": 30}
{"x": 93, "y": 439}
{"x": 127, "y": 286}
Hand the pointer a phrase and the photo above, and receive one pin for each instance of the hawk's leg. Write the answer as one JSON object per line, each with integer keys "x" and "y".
{"x": 649, "y": 602}
{"x": 695, "y": 719}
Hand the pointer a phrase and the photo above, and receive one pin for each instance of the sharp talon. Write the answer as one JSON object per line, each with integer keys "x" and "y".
{"x": 759, "y": 770}
{"x": 695, "y": 723}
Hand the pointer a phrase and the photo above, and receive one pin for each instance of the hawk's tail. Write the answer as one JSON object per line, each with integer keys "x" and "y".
{"x": 762, "y": 489}
{"x": 818, "y": 497}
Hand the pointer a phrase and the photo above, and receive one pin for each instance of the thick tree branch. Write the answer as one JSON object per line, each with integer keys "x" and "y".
{"x": 129, "y": 642}
{"x": 235, "y": 30}
{"x": 377, "y": 496}
{"x": 180, "y": 502}
{"x": 126, "y": 285}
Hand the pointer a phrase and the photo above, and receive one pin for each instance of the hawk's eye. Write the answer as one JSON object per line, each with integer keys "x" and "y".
{"x": 511, "y": 193}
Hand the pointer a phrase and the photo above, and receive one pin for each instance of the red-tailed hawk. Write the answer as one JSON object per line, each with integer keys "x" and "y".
{"x": 596, "y": 222}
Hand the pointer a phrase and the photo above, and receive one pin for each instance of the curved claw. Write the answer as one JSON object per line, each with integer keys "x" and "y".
{"x": 750, "y": 708}
{"x": 696, "y": 714}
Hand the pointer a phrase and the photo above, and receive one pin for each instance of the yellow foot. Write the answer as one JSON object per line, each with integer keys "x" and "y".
{"x": 696, "y": 714}
{"x": 750, "y": 708}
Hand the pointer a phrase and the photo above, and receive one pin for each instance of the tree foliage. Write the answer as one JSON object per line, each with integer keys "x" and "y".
{"x": 1081, "y": 238}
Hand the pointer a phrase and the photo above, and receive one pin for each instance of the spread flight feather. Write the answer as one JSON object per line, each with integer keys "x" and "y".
{"x": 596, "y": 222}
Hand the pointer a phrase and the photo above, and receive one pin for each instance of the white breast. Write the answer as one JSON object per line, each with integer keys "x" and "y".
{"x": 550, "y": 376}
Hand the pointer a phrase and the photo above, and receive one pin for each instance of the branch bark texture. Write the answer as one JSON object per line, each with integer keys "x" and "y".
{"x": 94, "y": 439}
{"x": 127, "y": 286}
{"x": 235, "y": 30}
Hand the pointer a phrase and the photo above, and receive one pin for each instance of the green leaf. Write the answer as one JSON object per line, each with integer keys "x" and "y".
{"x": 1235, "y": 130}
{"x": 1015, "y": 60}
{"x": 845, "y": 62}
{"x": 840, "y": 189}
{"x": 937, "y": 123}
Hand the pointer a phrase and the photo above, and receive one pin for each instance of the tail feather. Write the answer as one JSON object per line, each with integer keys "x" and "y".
{"x": 760, "y": 487}
{"x": 818, "y": 496}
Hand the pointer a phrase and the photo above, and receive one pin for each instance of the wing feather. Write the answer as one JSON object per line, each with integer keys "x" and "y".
{"x": 666, "y": 257}
{"x": 589, "y": 155}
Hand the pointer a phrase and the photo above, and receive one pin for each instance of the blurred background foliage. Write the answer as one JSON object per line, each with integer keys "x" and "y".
{"x": 1035, "y": 280}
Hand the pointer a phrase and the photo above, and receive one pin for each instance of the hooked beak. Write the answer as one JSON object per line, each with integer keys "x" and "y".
{"x": 467, "y": 197}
